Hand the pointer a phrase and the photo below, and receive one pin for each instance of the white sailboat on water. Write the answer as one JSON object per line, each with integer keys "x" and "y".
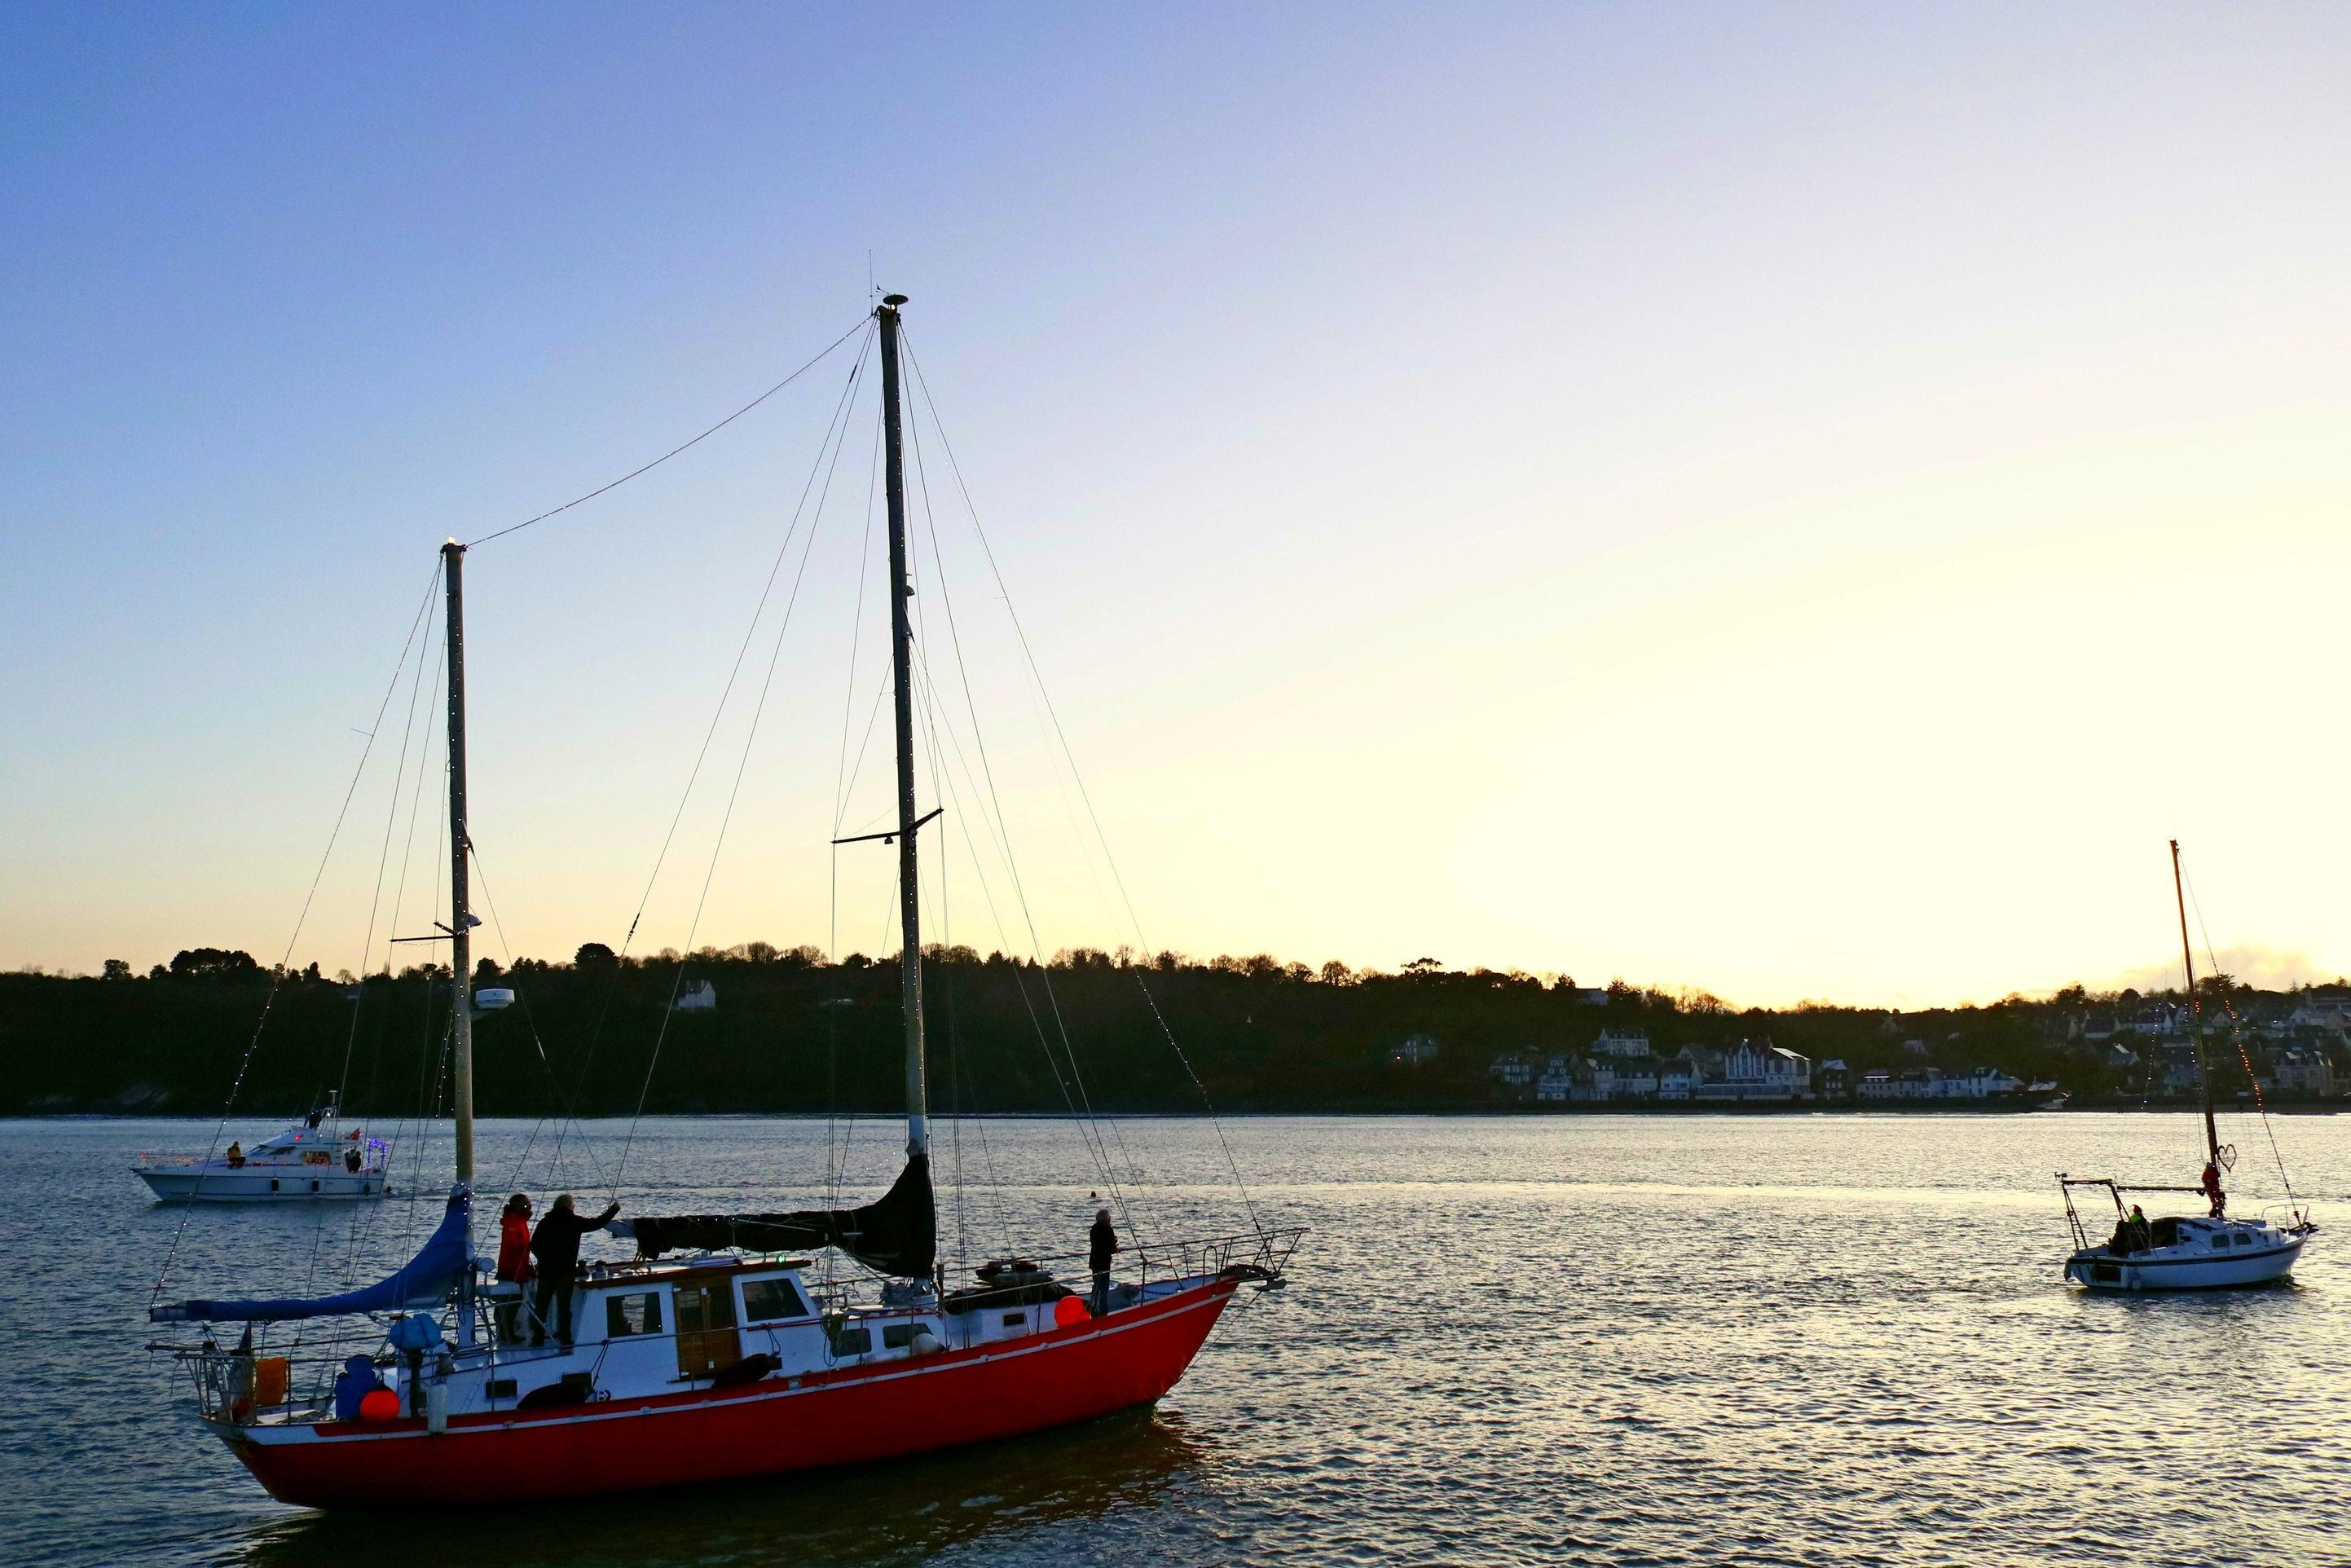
{"x": 2213, "y": 1251}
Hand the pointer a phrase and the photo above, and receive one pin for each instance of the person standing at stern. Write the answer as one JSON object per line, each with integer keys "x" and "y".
{"x": 514, "y": 1266}
{"x": 1101, "y": 1244}
{"x": 556, "y": 1245}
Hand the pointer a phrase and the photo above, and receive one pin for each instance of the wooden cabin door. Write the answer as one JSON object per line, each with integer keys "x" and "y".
{"x": 707, "y": 1339}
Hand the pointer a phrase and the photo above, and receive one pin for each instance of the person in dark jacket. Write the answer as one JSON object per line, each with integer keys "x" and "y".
{"x": 556, "y": 1245}
{"x": 1102, "y": 1242}
{"x": 514, "y": 1266}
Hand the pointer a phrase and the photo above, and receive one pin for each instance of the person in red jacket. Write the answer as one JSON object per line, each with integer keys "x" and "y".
{"x": 2212, "y": 1190}
{"x": 514, "y": 1265}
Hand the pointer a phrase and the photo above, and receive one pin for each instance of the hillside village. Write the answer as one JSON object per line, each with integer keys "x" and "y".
{"x": 2285, "y": 1046}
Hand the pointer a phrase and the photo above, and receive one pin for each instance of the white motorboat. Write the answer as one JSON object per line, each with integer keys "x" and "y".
{"x": 2187, "y": 1252}
{"x": 311, "y": 1161}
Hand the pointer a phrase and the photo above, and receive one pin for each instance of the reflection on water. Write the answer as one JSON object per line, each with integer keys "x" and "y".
{"x": 1058, "y": 1498}
{"x": 1706, "y": 1339}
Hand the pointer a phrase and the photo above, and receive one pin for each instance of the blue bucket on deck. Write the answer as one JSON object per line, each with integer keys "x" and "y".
{"x": 352, "y": 1384}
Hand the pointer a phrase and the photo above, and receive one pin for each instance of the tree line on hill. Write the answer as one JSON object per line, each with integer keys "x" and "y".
{"x": 792, "y": 1032}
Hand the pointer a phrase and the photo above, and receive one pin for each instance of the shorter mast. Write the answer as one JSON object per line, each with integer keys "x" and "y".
{"x": 2195, "y": 1018}
{"x": 461, "y": 920}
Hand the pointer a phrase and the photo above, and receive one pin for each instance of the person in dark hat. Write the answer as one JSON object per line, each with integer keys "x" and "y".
{"x": 1101, "y": 1243}
{"x": 556, "y": 1245}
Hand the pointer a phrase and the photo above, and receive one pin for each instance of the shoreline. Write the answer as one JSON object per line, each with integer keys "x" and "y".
{"x": 1798, "y": 1108}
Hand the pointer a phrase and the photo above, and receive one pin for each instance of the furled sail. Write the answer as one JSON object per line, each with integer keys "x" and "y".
{"x": 422, "y": 1283}
{"x": 897, "y": 1233}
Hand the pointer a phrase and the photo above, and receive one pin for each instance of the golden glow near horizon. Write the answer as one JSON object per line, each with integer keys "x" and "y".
{"x": 1813, "y": 530}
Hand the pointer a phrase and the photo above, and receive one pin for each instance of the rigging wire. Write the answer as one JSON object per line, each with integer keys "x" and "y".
{"x": 277, "y": 976}
{"x": 1069, "y": 755}
{"x": 2237, "y": 1036}
{"x": 702, "y": 754}
{"x": 837, "y": 438}
{"x": 865, "y": 322}
{"x": 971, "y": 706}
{"x": 360, "y": 1212}
{"x": 365, "y": 1220}
{"x": 843, "y": 780}
{"x": 384, "y": 855}
{"x": 955, "y": 1029}
{"x": 1081, "y": 1118}
{"x": 530, "y": 1021}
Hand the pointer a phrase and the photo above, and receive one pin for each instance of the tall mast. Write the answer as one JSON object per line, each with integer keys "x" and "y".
{"x": 901, "y": 641}
{"x": 2195, "y": 1020}
{"x": 461, "y": 920}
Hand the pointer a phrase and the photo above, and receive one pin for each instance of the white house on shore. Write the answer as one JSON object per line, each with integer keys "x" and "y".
{"x": 1934, "y": 1083}
{"x": 1622, "y": 1042}
{"x": 1758, "y": 1070}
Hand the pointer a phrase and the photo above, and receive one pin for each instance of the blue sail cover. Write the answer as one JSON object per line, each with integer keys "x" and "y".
{"x": 423, "y": 1281}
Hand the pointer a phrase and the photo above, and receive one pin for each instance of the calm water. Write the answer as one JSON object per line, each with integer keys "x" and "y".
{"x": 1619, "y": 1340}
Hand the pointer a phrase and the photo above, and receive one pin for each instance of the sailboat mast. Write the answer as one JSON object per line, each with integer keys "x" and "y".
{"x": 2195, "y": 1021}
{"x": 902, "y": 642}
{"x": 461, "y": 969}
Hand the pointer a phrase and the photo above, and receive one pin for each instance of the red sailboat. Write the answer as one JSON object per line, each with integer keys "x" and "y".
{"x": 732, "y": 1357}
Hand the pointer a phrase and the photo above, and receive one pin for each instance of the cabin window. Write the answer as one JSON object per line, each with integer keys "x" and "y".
{"x": 898, "y": 1336}
{"x": 635, "y": 1313}
{"x": 852, "y": 1342}
{"x": 764, "y": 1301}
{"x": 1016, "y": 1319}
{"x": 2219, "y": 1241}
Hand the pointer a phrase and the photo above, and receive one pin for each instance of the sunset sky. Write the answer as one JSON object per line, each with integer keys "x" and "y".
{"x": 1798, "y": 501}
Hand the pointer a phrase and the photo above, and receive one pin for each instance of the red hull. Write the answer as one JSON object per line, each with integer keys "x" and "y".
{"x": 866, "y": 1413}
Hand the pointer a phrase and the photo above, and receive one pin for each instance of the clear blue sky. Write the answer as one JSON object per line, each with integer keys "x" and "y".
{"x": 1749, "y": 497}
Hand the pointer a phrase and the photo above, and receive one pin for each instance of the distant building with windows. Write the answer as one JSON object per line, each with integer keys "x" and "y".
{"x": 701, "y": 997}
{"x": 1622, "y": 1042}
{"x": 1758, "y": 1070}
{"x": 2302, "y": 1070}
{"x": 1934, "y": 1083}
{"x": 1557, "y": 1084}
{"x": 1414, "y": 1050}
{"x": 1515, "y": 1069}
